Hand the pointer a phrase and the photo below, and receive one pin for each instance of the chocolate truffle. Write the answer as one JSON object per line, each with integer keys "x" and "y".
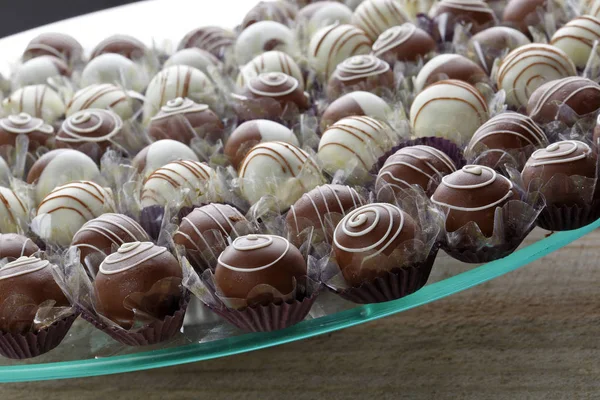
{"x": 58, "y": 167}
{"x": 125, "y": 45}
{"x": 353, "y": 145}
{"x": 195, "y": 58}
{"x": 271, "y": 61}
{"x": 25, "y": 284}
{"x": 64, "y": 211}
{"x": 216, "y": 40}
{"x": 451, "y": 109}
{"x": 332, "y": 44}
{"x": 160, "y": 153}
{"x": 54, "y": 44}
{"x": 177, "y": 81}
{"x": 375, "y": 16}
{"x": 205, "y": 233}
{"x": 493, "y": 43}
{"x": 403, "y": 43}
{"x": 259, "y": 260}
{"x": 106, "y": 96}
{"x": 577, "y": 38}
{"x": 590, "y": 7}
{"x": 183, "y": 120}
{"x": 278, "y": 169}
{"x": 364, "y": 72}
{"x": 506, "y": 132}
{"x": 251, "y": 133}
{"x": 133, "y": 270}
{"x": 448, "y": 13}
{"x": 366, "y": 236}
{"x": 13, "y": 246}
{"x": 414, "y": 165}
{"x": 449, "y": 66}
{"x": 315, "y": 16}
{"x": 13, "y": 211}
{"x": 116, "y": 69}
{"x": 37, "y": 131}
{"x": 355, "y": 104}
{"x": 39, "y": 101}
{"x": 521, "y": 14}
{"x": 40, "y": 69}
{"x": 264, "y": 36}
{"x": 322, "y": 209}
{"x": 91, "y": 131}
{"x": 279, "y": 11}
{"x": 581, "y": 95}
{"x": 472, "y": 194}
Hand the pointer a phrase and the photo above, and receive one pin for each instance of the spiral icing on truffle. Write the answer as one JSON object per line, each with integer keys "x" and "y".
{"x": 108, "y": 229}
{"x": 253, "y": 243}
{"x": 24, "y": 123}
{"x": 91, "y": 125}
{"x": 273, "y": 84}
{"x": 130, "y": 255}
{"x": 560, "y": 153}
{"x": 271, "y": 61}
{"x": 358, "y": 67}
{"x": 393, "y": 37}
{"x": 22, "y": 266}
{"x": 375, "y": 16}
{"x": 179, "y": 105}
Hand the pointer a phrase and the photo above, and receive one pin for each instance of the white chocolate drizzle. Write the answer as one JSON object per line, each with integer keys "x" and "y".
{"x": 279, "y": 84}
{"x": 554, "y": 87}
{"x": 358, "y": 67}
{"x": 76, "y": 131}
{"x": 24, "y": 123}
{"x": 143, "y": 251}
{"x": 179, "y": 105}
{"x": 252, "y": 243}
{"x": 393, "y": 37}
{"x": 535, "y": 136}
{"x": 102, "y": 226}
{"x": 560, "y": 153}
{"x": 22, "y": 266}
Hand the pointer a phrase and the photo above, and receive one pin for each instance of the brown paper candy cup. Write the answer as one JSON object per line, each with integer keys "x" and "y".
{"x": 568, "y": 217}
{"x": 485, "y": 254}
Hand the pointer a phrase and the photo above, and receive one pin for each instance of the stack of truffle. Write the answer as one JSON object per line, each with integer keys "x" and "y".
{"x": 374, "y": 132}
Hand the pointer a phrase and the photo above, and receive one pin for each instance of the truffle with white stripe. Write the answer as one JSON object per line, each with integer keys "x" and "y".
{"x": 375, "y": 16}
{"x": 476, "y": 13}
{"x": 125, "y": 45}
{"x": 365, "y": 72}
{"x": 577, "y": 38}
{"x": 54, "y": 44}
{"x": 214, "y": 39}
{"x": 13, "y": 246}
{"x": 270, "y": 61}
{"x": 405, "y": 42}
{"x": 40, "y": 101}
{"x": 13, "y": 211}
{"x": 355, "y": 104}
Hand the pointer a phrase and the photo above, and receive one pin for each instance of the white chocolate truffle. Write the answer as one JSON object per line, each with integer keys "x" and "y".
{"x": 271, "y": 61}
{"x": 333, "y": 44}
{"x": 590, "y": 7}
{"x": 13, "y": 211}
{"x": 67, "y": 208}
{"x": 106, "y": 96}
{"x": 278, "y": 169}
{"x": 354, "y": 142}
{"x": 114, "y": 68}
{"x": 577, "y": 38}
{"x": 183, "y": 181}
{"x": 529, "y": 67}
{"x": 39, "y": 101}
{"x": 4, "y": 171}
{"x": 355, "y": 104}
{"x": 450, "y": 109}
{"x": 264, "y": 36}
{"x": 195, "y": 58}
{"x": 376, "y": 16}
{"x": 39, "y": 69}
{"x": 317, "y": 15}
{"x": 161, "y": 153}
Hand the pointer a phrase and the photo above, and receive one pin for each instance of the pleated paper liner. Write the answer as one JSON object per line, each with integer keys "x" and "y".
{"x": 480, "y": 255}
{"x": 568, "y": 217}
{"x": 32, "y": 344}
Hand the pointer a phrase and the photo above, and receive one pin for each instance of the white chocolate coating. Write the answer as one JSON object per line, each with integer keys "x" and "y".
{"x": 264, "y": 36}
{"x": 577, "y": 38}
{"x": 105, "y": 96}
{"x": 12, "y": 210}
{"x": 251, "y": 243}
{"x": 135, "y": 253}
{"x": 195, "y": 58}
{"x": 4, "y": 171}
{"x": 116, "y": 69}
{"x": 270, "y": 61}
{"x": 165, "y": 151}
{"x": 318, "y": 15}
{"x": 36, "y": 71}
{"x": 40, "y": 101}
{"x": 375, "y": 16}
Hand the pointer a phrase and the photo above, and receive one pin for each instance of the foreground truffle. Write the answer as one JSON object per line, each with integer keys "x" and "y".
{"x": 577, "y": 38}
{"x": 13, "y": 246}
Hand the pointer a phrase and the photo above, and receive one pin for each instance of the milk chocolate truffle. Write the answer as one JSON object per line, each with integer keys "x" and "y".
{"x": 451, "y": 109}
{"x": 40, "y": 101}
{"x": 205, "y": 233}
{"x": 529, "y": 67}
{"x": 54, "y": 44}
{"x": 364, "y": 72}
{"x": 271, "y": 61}
{"x": 403, "y": 43}
{"x": 332, "y": 44}
{"x": 196, "y": 58}
{"x": 355, "y": 104}
{"x": 125, "y": 45}
{"x": 114, "y": 68}
{"x": 577, "y": 38}
{"x": 449, "y": 66}
{"x": 216, "y": 40}
{"x": 476, "y": 13}
{"x": 414, "y": 165}
{"x": 183, "y": 120}
{"x": 58, "y": 167}
{"x": 160, "y": 153}
{"x": 25, "y": 284}
{"x": 264, "y": 36}
{"x": 133, "y": 270}
{"x": 581, "y": 95}
{"x": 315, "y": 16}
{"x": 106, "y": 96}
{"x": 255, "y": 260}
{"x": 251, "y": 133}
{"x": 104, "y": 235}
{"x": 278, "y": 169}
{"x": 13, "y": 246}
{"x": 472, "y": 195}
{"x": 279, "y": 11}
{"x": 375, "y": 16}
{"x": 366, "y": 235}
{"x": 493, "y": 43}
{"x": 521, "y": 14}
{"x": 37, "y": 131}
{"x": 13, "y": 211}
{"x": 322, "y": 209}
{"x": 40, "y": 69}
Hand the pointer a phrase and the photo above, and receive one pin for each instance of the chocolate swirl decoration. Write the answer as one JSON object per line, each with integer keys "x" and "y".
{"x": 22, "y": 266}
{"x": 24, "y": 123}
{"x": 393, "y": 37}
{"x": 273, "y": 84}
{"x": 277, "y": 246}
{"x": 359, "y": 67}
{"x": 179, "y": 105}
{"x": 91, "y": 125}
{"x": 563, "y": 152}
{"x": 130, "y": 255}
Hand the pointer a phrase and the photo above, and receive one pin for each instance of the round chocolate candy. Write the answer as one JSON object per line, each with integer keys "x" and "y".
{"x": 13, "y": 246}
{"x": 214, "y": 39}
{"x": 332, "y": 44}
{"x": 205, "y": 233}
{"x": 125, "y": 45}
{"x": 264, "y": 36}
{"x": 580, "y": 95}
{"x": 577, "y": 38}
{"x": 13, "y": 211}
{"x": 449, "y": 66}
{"x": 195, "y": 58}
{"x": 355, "y": 104}
{"x": 414, "y": 165}
{"x": 368, "y": 235}
{"x": 4, "y": 171}
{"x": 451, "y": 109}
{"x": 257, "y": 261}
{"x": 473, "y": 194}
{"x": 54, "y": 44}
{"x": 279, "y": 11}
{"x": 250, "y": 133}
{"x": 317, "y": 15}
{"x": 183, "y": 120}
{"x": 58, "y": 167}
{"x": 278, "y": 169}
{"x": 160, "y": 153}
{"x": 37, "y": 131}
{"x": 521, "y": 14}
{"x": 40, "y": 69}
{"x": 590, "y": 7}
{"x": 25, "y": 284}
{"x": 40, "y": 101}
{"x": 114, "y": 68}
{"x": 134, "y": 270}
{"x": 403, "y": 43}
{"x": 106, "y": 96}
{"x": 322, "y": 209}
{"x": 271, "y": 61}
{"x": 493, "y": 43}
{"x": 375, "y": 16}
{"x": 448, "y": 13}
{"x": 363, "y": 72}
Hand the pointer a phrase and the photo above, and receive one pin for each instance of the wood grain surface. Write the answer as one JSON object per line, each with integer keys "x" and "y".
{"x": 532, "y": 334}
